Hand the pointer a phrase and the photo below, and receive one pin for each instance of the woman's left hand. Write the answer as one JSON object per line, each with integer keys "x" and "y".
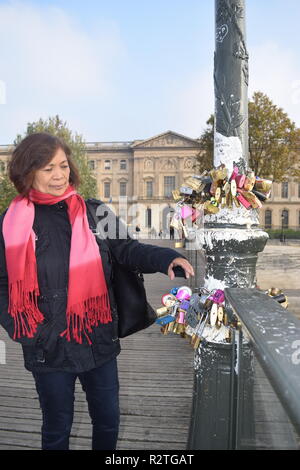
{"x": 184, "y": 264}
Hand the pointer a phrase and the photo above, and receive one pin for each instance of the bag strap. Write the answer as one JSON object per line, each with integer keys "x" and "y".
{"x": 98, "y": 230}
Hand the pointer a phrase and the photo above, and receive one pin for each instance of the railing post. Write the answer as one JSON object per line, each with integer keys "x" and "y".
{"x": 231, "y": 240}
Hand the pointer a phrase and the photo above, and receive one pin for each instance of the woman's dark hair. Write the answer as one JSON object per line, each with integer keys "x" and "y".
{"x": 35, "y": 152}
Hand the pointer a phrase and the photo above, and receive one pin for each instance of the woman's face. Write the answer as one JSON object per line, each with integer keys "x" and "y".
{"x": 54, "y": 177}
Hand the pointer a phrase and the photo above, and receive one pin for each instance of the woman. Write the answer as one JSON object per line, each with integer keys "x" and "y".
{"x": 56, "y": 297}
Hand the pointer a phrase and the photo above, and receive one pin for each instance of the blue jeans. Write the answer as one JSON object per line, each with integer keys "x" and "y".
{"x": 56, "y": 395}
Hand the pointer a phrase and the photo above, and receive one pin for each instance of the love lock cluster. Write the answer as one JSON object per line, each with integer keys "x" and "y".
{"x": 201, "y": 315}
{"x": 215, "y": 190}
{"x": 194, "y": 316}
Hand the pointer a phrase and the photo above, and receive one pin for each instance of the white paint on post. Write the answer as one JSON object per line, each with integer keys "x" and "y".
{"x": 227, "y": 150}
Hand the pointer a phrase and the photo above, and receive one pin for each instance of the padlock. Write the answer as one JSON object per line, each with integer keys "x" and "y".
{"x": 213, "y": 187}
{"x": 162, "y": 311}
{"x": 220, "y": 313}
{"x": 262, "y": 197}
{"x": 184, "y": 293}
{"x": 240, "y": 180}
{"x": 168, "y": 300}
{"x": 226, "y": 188}
{"x": 262, "y": 185}
{"x": 213, "y": 314}
{"x": 236, "y": 202}
{"x": 165, "y": 329}
{"x": 186, "y": 211}
{"x": 179, "y": 244}
{"x": 191, "y": 317}
{"x": 176, "y": 195}
{"x": 234, "y": 173}
{"x": 208, "y": 207}
{"x": 194, "y": 183}
{"x": 233, "y": 188}
{"x": 184, "y": 305}
{"x": 251, "y": 198}
{"x": 218, "y": 296}
{"x": 243, "y": 201}
{"x": 218, "y": 194}
{"x": 164, "y": 320}
{"x": 176, "y": 221}
{"x": 186, "y": 190}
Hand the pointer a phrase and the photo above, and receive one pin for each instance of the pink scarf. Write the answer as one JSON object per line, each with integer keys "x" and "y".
{"x": 88, "y": 301}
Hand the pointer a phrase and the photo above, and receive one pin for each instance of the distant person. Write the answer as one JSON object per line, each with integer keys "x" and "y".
{"x": 137, "y": 229}
{"x": 171, "y": 233}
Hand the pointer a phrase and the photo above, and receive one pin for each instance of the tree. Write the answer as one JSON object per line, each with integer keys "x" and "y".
{"x": 274, "y": 141}
{"x": 7, "y": 192}
{"x": 205, "y": 158}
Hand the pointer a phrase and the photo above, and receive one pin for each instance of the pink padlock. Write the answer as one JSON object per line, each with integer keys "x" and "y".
{"x": 181, "y": 317}
{"x": 218, "y": 297}
{"x": 234, "y": 174}
{"x": 186, "y": 212}
{"x": 184, "y": 293}
{"x": 243, "y": 201}
{"x": 240, "y": 180}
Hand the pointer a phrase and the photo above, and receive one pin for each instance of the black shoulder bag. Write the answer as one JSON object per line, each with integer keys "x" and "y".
{"x": 134, "y": 312}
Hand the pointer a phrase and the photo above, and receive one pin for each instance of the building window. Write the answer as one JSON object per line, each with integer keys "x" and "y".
{"x": 268, "y": 218}
{"x": 285, "y": 218}
{"x": 169, "y": 185}
{"x": 285, "y": 189}
{"x": 148, "y": 221}
{"x": 149, "y": 188}
{"x": 123, "y": 165}
{"x": 107, "y": 165}
{"x": 106, "y": 190}
{"x": 123, "y": 188}
{"x": 91, "y": 164}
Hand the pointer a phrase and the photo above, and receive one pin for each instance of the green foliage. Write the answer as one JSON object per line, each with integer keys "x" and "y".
{"x": 7, "y": 192}
{"x": 274, "y": 141}
{"x": 288, "y": 233}
{"x": 205, "y": 158}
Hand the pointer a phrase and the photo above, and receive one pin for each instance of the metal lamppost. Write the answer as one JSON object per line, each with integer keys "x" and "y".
{"x": 231, "y": 238}
{"x": 282, "y": 222}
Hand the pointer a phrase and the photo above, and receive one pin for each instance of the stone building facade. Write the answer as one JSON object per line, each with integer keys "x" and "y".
{"x": 136, "y": 179}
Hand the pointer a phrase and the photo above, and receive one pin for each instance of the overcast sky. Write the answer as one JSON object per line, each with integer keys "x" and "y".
{"x": 130, "y": 69}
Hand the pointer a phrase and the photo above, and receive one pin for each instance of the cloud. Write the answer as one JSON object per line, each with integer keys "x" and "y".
{"x": 49, "y": 62}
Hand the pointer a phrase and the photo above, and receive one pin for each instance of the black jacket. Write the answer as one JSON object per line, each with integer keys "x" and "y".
{"x": 47, "y": 350}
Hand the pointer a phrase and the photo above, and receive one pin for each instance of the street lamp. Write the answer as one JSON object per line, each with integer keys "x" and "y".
{"x": 282, "y": 220}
